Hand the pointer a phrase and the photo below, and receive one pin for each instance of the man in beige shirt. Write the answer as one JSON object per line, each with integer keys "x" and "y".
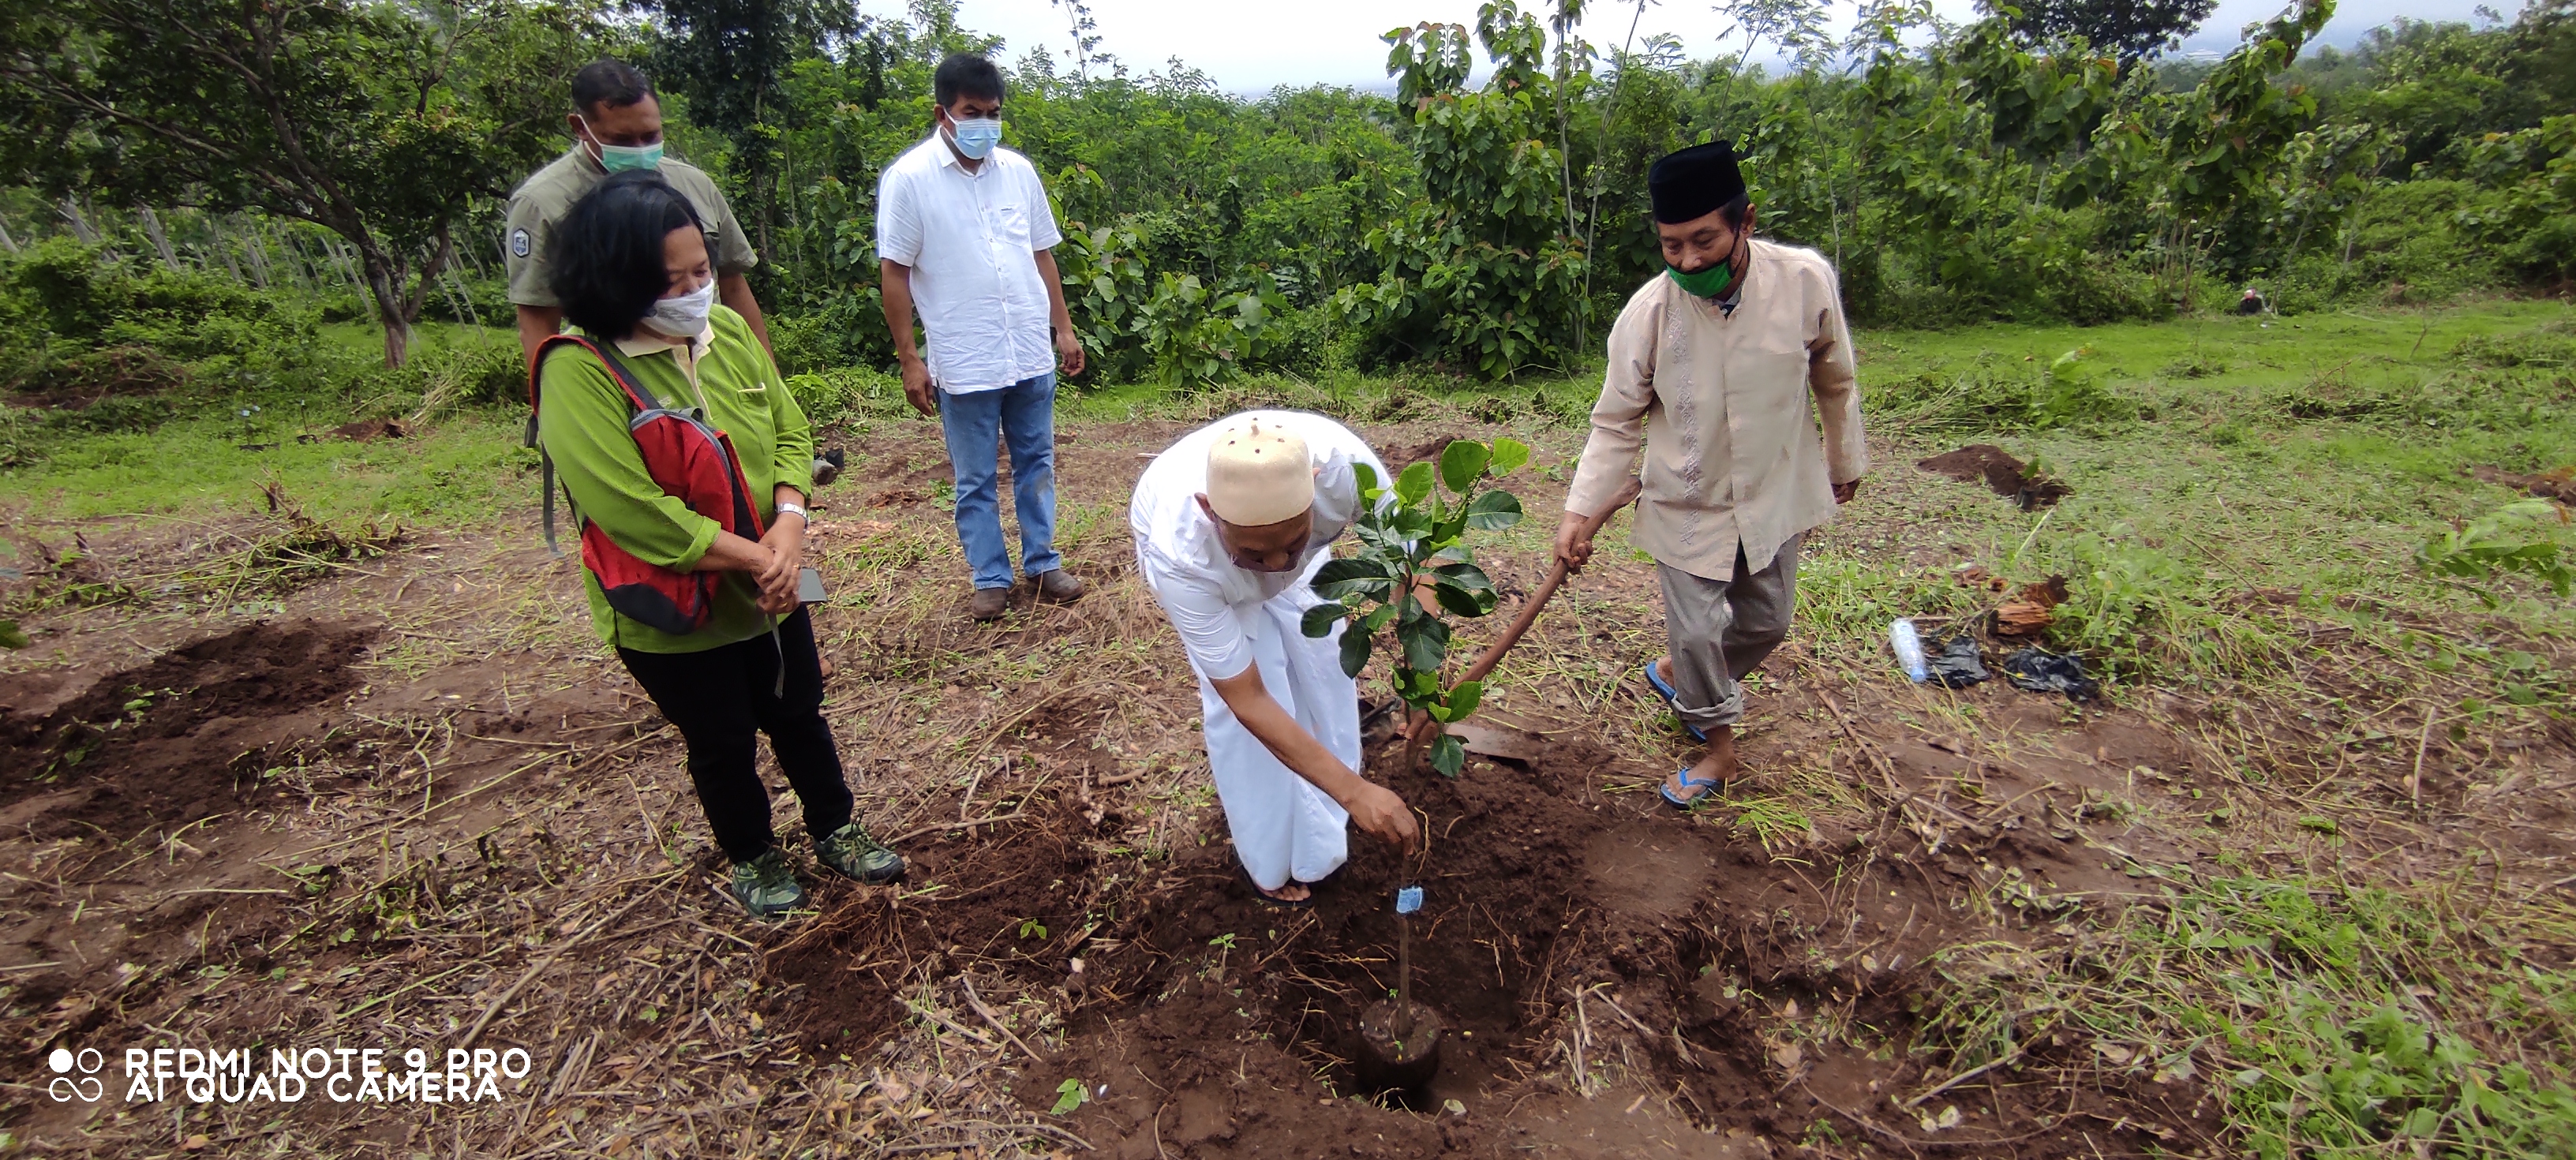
{"x": 1713, "y": 363}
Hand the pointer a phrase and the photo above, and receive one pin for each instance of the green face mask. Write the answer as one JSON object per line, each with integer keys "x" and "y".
{"x": 1708, "y": 283}
{"x": 620, "y": 158}
{"x": 1711, "y": 282}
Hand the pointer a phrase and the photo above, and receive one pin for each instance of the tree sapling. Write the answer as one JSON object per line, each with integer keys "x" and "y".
{"x": 1413, "y": 567}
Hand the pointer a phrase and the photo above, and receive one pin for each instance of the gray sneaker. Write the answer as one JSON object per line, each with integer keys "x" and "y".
{"x": 857, "y": 854}
{"x": 766, "y": 886}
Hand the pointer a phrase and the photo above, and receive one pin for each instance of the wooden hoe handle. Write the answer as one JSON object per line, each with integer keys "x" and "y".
{"x": 1493, "y": 655}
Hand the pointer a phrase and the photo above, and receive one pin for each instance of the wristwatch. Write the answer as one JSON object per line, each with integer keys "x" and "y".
{"x": 799, "y": 509}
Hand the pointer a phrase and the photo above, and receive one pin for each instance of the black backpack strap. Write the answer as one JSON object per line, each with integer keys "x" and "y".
{"x": 547, "y": 489}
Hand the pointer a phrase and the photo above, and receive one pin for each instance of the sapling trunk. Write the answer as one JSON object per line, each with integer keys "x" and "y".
{"x": 1399, "y": 1042}
{"x": 1404, "y": 971}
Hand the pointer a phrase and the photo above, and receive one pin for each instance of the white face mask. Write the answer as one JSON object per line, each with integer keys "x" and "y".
{"x": 684, "y": 315}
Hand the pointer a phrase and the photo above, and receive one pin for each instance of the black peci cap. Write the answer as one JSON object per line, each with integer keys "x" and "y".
{"x": 1693, "y": 183}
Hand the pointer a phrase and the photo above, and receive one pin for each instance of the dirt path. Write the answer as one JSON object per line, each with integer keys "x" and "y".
{"x": 414, "y": 799}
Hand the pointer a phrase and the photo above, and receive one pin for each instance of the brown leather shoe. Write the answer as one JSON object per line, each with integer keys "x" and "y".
{"x": 1059, "y": 587}
{"x": 990, "y": 603}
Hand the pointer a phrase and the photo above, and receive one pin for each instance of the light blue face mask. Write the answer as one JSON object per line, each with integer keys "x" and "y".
{"x": 976, "y": 136}
{"x": 620, "y": 158}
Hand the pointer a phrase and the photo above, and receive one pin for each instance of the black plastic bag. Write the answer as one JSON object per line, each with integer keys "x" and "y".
{"x": 1957, "y": 665}
{"x": 2041, "y": 671}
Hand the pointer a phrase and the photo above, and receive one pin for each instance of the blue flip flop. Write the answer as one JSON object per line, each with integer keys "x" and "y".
{"x": 1707, "y": 787}
{"x": 1672, "y": 698}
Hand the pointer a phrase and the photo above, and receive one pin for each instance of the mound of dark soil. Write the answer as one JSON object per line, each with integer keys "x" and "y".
{"x": 1398, "y": 458}
{"x": 182, "y": 737}
{"x": 1998, "y": 470}
{"x": 2559, "y": 485}
{"x": 1561, "y": 927}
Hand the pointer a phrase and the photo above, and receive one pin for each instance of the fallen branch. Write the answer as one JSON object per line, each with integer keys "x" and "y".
{"x": 493, "y": 1011}
{"x": 935, "y": 827}
{"x": 1965, "y": 1076}
{"x": 932, "y": 1014}
{"x": 977, "y": 1002}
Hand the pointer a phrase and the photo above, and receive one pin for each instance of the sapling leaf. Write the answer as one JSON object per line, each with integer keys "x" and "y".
{"x": 1493, "y": 511}
{"x": 1348, "y": 568}
{"x": 1508, "y": 456}
{"x": 1320, "y": 619}
{"x": 1461, "y": 463}
{"x": 1460, "y": 600}
{"x": 1355, "y": 651}
{"x": 1464, "y": 699}
{"x": 1414, "y": 484}
{"x": 1467, "y": 576}
{"x": 1377, "y": 618}
{"x": 1448, "y": 755}
{"x": 1426, "y": 643}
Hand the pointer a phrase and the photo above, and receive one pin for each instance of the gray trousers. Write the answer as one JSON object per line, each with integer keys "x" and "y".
{"x": 1721, "y": 630}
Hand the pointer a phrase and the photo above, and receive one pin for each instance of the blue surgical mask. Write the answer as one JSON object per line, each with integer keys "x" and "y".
{"x": 620, "y": 158}
{"x": 976, "y": 136}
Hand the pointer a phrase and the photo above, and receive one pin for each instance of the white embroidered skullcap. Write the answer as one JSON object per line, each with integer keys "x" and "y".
{"x": 1258, "y": 474}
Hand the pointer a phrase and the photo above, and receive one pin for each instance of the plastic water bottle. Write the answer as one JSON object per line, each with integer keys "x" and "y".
{"x": 1909, "y": 649}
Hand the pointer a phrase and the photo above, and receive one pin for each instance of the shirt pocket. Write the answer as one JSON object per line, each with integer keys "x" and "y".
{"x": 1008, "y": 224}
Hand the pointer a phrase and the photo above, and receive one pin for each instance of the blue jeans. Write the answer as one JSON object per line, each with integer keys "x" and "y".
{"x": 1021, "y": 416}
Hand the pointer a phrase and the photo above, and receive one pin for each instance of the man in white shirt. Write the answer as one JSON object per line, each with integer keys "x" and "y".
{"x": 965, "y": 235}
{"x": 1230, "y": 525}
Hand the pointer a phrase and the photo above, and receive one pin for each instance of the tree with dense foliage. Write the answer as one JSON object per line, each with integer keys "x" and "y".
{"x": 379, "y": 123}
{"x": 2129, "y": 29}
{"x": 1486, "y": 227}
{"x": 731, "y": 59}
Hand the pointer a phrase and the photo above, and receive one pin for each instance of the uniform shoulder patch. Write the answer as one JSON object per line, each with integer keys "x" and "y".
{"x": 519, "y": 243}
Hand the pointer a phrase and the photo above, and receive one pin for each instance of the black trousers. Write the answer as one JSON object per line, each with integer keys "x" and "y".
{"x": 720, "y": 699}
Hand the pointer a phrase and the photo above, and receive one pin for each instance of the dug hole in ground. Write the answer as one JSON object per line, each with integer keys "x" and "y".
{"x": 271, "y": 785}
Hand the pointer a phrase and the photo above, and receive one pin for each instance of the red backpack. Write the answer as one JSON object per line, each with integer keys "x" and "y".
{"x": 693, "y": 462}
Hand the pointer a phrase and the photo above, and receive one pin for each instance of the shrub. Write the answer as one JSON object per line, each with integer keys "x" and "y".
{"x": 2517, "y": 537}
{"x": 2004, "y": 396}
{"x": 847, "y": 331}
{"x": 839, "y": 392}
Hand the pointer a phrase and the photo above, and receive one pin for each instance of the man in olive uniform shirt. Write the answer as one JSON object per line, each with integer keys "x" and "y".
{"x": 616, "y": 125}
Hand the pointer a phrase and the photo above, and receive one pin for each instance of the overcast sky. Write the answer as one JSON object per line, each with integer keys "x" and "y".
{"x": 1251, "y": 47}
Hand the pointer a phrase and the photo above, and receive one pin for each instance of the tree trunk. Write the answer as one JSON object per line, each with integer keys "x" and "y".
{"x": 397, "y": 307}
{"x": 160, "y": 238}
{"x": 384, "y": 275}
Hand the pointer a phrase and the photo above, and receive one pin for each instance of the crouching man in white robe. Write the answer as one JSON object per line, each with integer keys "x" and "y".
{"x": 1230, "y": 525}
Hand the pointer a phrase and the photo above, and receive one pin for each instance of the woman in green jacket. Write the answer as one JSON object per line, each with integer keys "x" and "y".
{"x": 629, "y": 263}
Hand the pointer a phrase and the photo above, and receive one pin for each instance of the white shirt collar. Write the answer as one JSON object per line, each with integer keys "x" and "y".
{"x": 948, "y": 155}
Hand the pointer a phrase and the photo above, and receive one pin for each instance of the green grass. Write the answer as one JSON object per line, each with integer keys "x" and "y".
{"x": 2198, "y": 450}
{"x": 366, "y": 339}
{"x": 2333, "y": 1020}
{"x": 466, "y": 469}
